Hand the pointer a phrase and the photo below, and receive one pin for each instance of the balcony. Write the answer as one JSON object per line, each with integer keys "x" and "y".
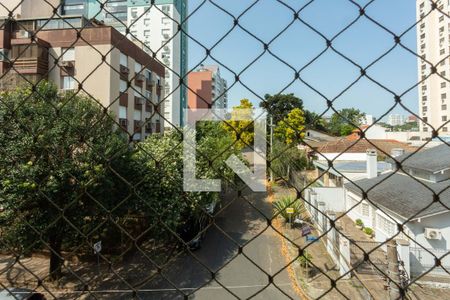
{"x": 67, "y": 68}
{"x": 138, "y": 126}
{"x": 139, "y": 79}
{"x": 37, "y": 65}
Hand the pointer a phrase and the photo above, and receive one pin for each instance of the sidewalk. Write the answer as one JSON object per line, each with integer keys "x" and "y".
{"x": 318, "y": 285}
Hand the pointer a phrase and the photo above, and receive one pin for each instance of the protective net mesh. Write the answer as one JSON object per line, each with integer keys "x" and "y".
{"x": 90, "y": 210}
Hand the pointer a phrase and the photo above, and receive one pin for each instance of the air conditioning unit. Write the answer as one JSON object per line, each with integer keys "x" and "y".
{"x": 433, "y": 234}
{"x": 21, "y": 34}
{"x": 67, "y": 64}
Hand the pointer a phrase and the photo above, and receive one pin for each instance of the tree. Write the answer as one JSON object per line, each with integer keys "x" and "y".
{"x": 165, "y": 203}
{"x": 241, "y": 131}
{"x": 58, "y": 161}
{"x": 285, "y": 159}
{"x": 280, "y": 105}
{"x": 314, "y": 121}
{"x": 345, "y": 121}
{"x": 291, "y": 128}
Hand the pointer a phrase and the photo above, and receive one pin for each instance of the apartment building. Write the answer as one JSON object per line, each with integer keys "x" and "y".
{"x": 433, "y": 44}
{"x": 207, "y": 89}
{"x": 396, "y": 120}
{"x": 28, "y": 8}
{"x": 112, "y": 69}
{"x": 157, "y": 28}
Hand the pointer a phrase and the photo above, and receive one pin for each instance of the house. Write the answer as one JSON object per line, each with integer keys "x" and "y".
{"x": 416, "y": 198}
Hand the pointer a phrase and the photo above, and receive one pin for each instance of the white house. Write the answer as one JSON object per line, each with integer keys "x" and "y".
{"x": 417, "y": 199}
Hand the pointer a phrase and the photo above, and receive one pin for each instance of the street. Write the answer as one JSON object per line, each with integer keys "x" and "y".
{"x": 242, "y": 274}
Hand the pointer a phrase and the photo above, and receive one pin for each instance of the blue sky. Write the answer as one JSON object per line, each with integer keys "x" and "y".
{"x": 363, "y": 42}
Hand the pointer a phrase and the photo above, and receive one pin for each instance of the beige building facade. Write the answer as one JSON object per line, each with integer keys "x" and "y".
{"x": 102, "y": 64}
{"x": 28, "y": 8}
{"x": 433, "y": 46}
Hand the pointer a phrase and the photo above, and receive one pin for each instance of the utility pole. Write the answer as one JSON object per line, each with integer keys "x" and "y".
{"x": 393, "y": 271}
{"x": 271, "y": 147}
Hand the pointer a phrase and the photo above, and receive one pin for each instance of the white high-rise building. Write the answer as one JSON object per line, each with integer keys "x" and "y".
{"x": 157, "y": 28}
{"x": 396, "y": 120}
{"x": 433, "y": 43}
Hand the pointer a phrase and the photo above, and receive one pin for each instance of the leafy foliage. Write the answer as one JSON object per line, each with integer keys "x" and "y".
{"x": 359, "y": 222}
{"x": 281, "y": 205}
{"x": 58, "y": 154}
{"x": 345, "y": 122}
{"x": 285, "y": 159}
{"x": 280, "y": 105}
{"x": 291, "y": 128}
{"x": 305, "y": 259}
{"x": 241, "y": 131}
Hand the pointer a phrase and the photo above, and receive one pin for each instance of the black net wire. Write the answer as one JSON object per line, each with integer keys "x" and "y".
{"x": 52, "y": 205}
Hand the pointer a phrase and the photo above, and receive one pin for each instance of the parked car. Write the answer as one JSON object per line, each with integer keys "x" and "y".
{"x": 20, "y": 294}
{"x": 193, "y": 232}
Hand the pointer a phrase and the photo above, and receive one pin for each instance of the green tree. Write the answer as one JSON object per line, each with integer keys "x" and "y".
{"x": 280, "y": 105}
{"x": 292, "y": 128}
{"x": 58, "y": 161}
{"x": 285, "y": 159}
{"x": 241, "y": 131}
{"x": 314, "y": 121}
{"x": 165, "y": 202}
{"x": 345, "y": 121}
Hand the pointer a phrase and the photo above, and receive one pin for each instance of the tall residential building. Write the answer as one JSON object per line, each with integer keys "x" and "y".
{"x": 157, "y": 28}
{"x": 396, "y": 120}
{"x": 433, "y": 43}
{"x": 207, "y": 89}
{"x": 28, "y": 8}
{"x": 128, "y": 81}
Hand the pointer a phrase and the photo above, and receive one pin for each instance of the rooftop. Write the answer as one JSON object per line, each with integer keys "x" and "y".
{"x": 404, "y": 195}
{"x": 432, "y": 159}
{"x": 350, "y": 166}
{"x": 362, "y": 145}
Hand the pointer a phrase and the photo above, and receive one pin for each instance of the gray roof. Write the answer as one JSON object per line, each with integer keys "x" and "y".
{"x": 433, "y": 159}
{"x": 351, "y": 166}
{"x": 404, "y": 195}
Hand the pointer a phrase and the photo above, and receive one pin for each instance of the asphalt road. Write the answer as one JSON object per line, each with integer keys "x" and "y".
{"x": 243, "y": 274}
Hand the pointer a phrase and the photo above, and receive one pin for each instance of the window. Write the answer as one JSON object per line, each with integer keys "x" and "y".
{"x": 443, "y": 73}
{"x": 424, "y": 108}
{"x": 425, "y": 129}
{"x": 443, "y": 84}
{"x": 122, "y": 112}
{"x": 441, "y": 18}
{"x": 68, "y": 83}
{"x": 442, "y": 51}
{"x": 146, "y": 22}
{"x": 123, "y": 86}
{"x": 443, "y": 96}
{"x": 444, "y": 106}
{"x": 387, "y": 226}
{"x": 424, "y": 98}
{"x": 444, "y": 118}
{"x": 137, "y": 115}
{"x": 123, "y": 60}
{"x": 134, "y": 13}
{"x": 444, "y": 129}
{"x": 68, "y": 54}
{"x": 365, "y": 209}
{"x": 425, "y": 119}
{"x": 147, "y": 33}
{"x": 137, "y": 68}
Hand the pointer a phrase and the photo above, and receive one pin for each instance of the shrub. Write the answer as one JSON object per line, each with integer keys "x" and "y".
{"x": 359, "y": 222}
{"x": 305, "y": 259}
{"x": 368, "y": 231}
{"x": 281, "y": 205}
